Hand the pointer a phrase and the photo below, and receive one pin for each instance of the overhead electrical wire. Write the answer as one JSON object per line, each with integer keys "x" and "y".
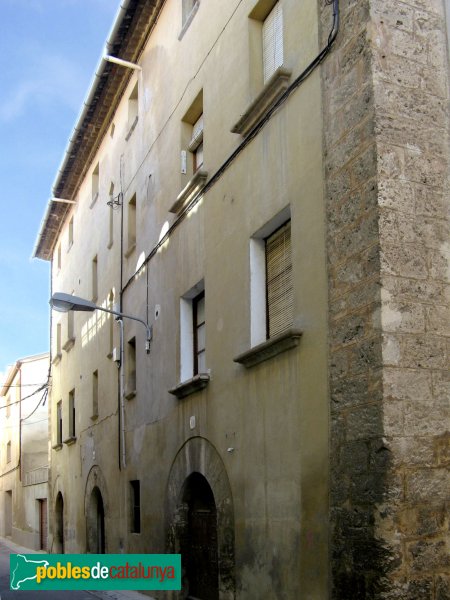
{"x": 251, "y": 135}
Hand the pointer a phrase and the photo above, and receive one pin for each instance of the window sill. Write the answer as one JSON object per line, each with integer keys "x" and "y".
{"x": 69, "y": 344}
{"x": 57, "y": 447}
{"x": 194, "y": 185}
{"x": 94, "y": 200}
{"x": 189, "y": 20}
{"x": 70, "y": 440}
{"x": 270, "y": 93}
{"x": 57, "y": 358}
{"x": 132, "y": 128}
{"x": 267, "y": 350}
{"x": 197, "y": 383}
{"x": 130, "y": 250}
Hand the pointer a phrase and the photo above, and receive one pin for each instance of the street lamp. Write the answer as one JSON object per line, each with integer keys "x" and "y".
{"x": 66, "y": 302}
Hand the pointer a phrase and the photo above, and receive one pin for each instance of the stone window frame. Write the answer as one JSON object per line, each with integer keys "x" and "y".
{"x": 264, "y": 94}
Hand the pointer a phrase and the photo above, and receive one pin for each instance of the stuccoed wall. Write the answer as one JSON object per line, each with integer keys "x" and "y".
{"x": 386, "y": 126}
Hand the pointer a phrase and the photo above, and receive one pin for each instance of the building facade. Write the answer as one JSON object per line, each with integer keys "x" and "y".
{"x": 24, "y": 432}
{"x": 266, "y": 185}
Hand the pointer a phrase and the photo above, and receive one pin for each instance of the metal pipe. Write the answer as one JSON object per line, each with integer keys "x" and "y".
{"x": 122, "y": 396}
{"x": 121, "y": 62}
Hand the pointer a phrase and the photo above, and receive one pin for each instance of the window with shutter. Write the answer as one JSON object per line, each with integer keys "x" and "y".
{"x": 279, "y": 289}
{"x": 196, "y": 143}
{"x": 198, "y": 314}
{"x": 272, "y": 40}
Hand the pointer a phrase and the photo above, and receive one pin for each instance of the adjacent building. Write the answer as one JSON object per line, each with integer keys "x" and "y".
{"x": 24, "y": 452}
{"x": 265, "y": 183}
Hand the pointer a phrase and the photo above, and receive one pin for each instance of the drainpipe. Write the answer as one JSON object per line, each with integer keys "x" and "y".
{"x": 122, "y": 398}
{"x": 20, "y": 424}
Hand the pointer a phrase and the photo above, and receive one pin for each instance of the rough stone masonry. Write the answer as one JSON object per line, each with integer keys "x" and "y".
{"x": 386, "y": 146}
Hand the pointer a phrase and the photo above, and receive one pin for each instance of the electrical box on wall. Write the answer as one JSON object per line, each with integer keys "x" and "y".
{"x": 183, "y": 162}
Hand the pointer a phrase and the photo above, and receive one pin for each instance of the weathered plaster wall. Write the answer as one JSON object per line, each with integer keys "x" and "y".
{"x": 386, "y": 144}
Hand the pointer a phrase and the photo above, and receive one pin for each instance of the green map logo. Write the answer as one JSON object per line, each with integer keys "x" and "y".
{"x": 95, "y": 572}
{"x": 25, "y": 570}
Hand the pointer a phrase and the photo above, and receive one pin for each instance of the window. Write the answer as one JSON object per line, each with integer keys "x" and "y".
{"x": 131, "y": 225}
{"x": 272, "y": 41}
{"x": 95, "y": 184}
{"x": 130, "y": 390}
{"x": 70, "y": 233}
{"x": 111, "y": 215}
{"x": 58, "y": 342}
{"x": 271, "y": 290}
{"x": 94, "y": 278}
{"x": 135, "y": 502}
{"x": 8, "y": 452}
{"x": 198, "y": 314}
{"x": 193, "y": 175}
{"x": 59, "y": 423}
{"x": 192, "y": 332}
{"x": 133, "y": 110}
{"x": 196, "y": 143}
{"x": 70, "y": 341}
{"x": 111, "y": 324}
{"x": 94, "y": 395}
{"x": 188, "y": 11}
{"x": 279, "y": 289}
{"x": 58, "y": 257}
{"x": 269, "y": 77}
{"x": 72, "y": 426}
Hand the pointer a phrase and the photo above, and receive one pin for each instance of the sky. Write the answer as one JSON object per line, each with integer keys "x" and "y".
{"x": 49, "y": 50}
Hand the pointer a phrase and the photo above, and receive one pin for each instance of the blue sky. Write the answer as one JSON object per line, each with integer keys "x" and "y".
{"x": 49, "y": 50}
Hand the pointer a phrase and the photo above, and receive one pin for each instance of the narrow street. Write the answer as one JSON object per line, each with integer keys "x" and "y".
{"x": 7, "y": 548}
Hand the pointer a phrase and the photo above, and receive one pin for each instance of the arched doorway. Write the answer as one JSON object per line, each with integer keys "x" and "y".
{"x": 96, "y": 523}
{"x": 59, "y": 525}
{"x": 199, "y": 544}
{"x": 200, "y": 521}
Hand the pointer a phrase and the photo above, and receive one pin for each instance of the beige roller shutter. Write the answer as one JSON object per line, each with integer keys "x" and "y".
{"x": 272, "y": 36}
{"x": 280, "y": 296}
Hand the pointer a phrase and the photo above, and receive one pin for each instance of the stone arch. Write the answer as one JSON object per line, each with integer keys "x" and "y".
{"x": 58, "y": 524}
{"x": 58, "y": 539}
{"x": 95, "y": 509}
{"x": 199, "y": 456}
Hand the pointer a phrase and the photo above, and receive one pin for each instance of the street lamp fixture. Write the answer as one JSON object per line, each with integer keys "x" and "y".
{"x": 66, "y": 302}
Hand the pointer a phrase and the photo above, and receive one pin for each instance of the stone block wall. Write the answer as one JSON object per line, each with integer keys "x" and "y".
{"x": 386, "y": 124}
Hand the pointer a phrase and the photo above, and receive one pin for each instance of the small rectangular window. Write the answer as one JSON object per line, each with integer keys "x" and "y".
{"x": 94, "y": 278}
{"x": 279, "y": 287}
{"x": 58, "y": 257}
{"x": 187, "y": 8}
{"x": 59, "y": 422}
{"x": 95, "y": 184}
{"x": 199, "y": 331}
{"x": 133, "y": 110}
{"x": 95, "y": 394}
{"x": 58, "y": 340}
{"x": 70, "y": 329}
{"x": 132, "y": 223}
{"x": 135, "y": 498}
{"x": 272, "y": 40}
{"x": 112, "y": 206}
{"x": 8, "y": 405}
{"x": 72, "y": 421}
{"x": 70, "y": 233}
{"x": 8, "y": 452}
{"x": 131, "y": 368}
